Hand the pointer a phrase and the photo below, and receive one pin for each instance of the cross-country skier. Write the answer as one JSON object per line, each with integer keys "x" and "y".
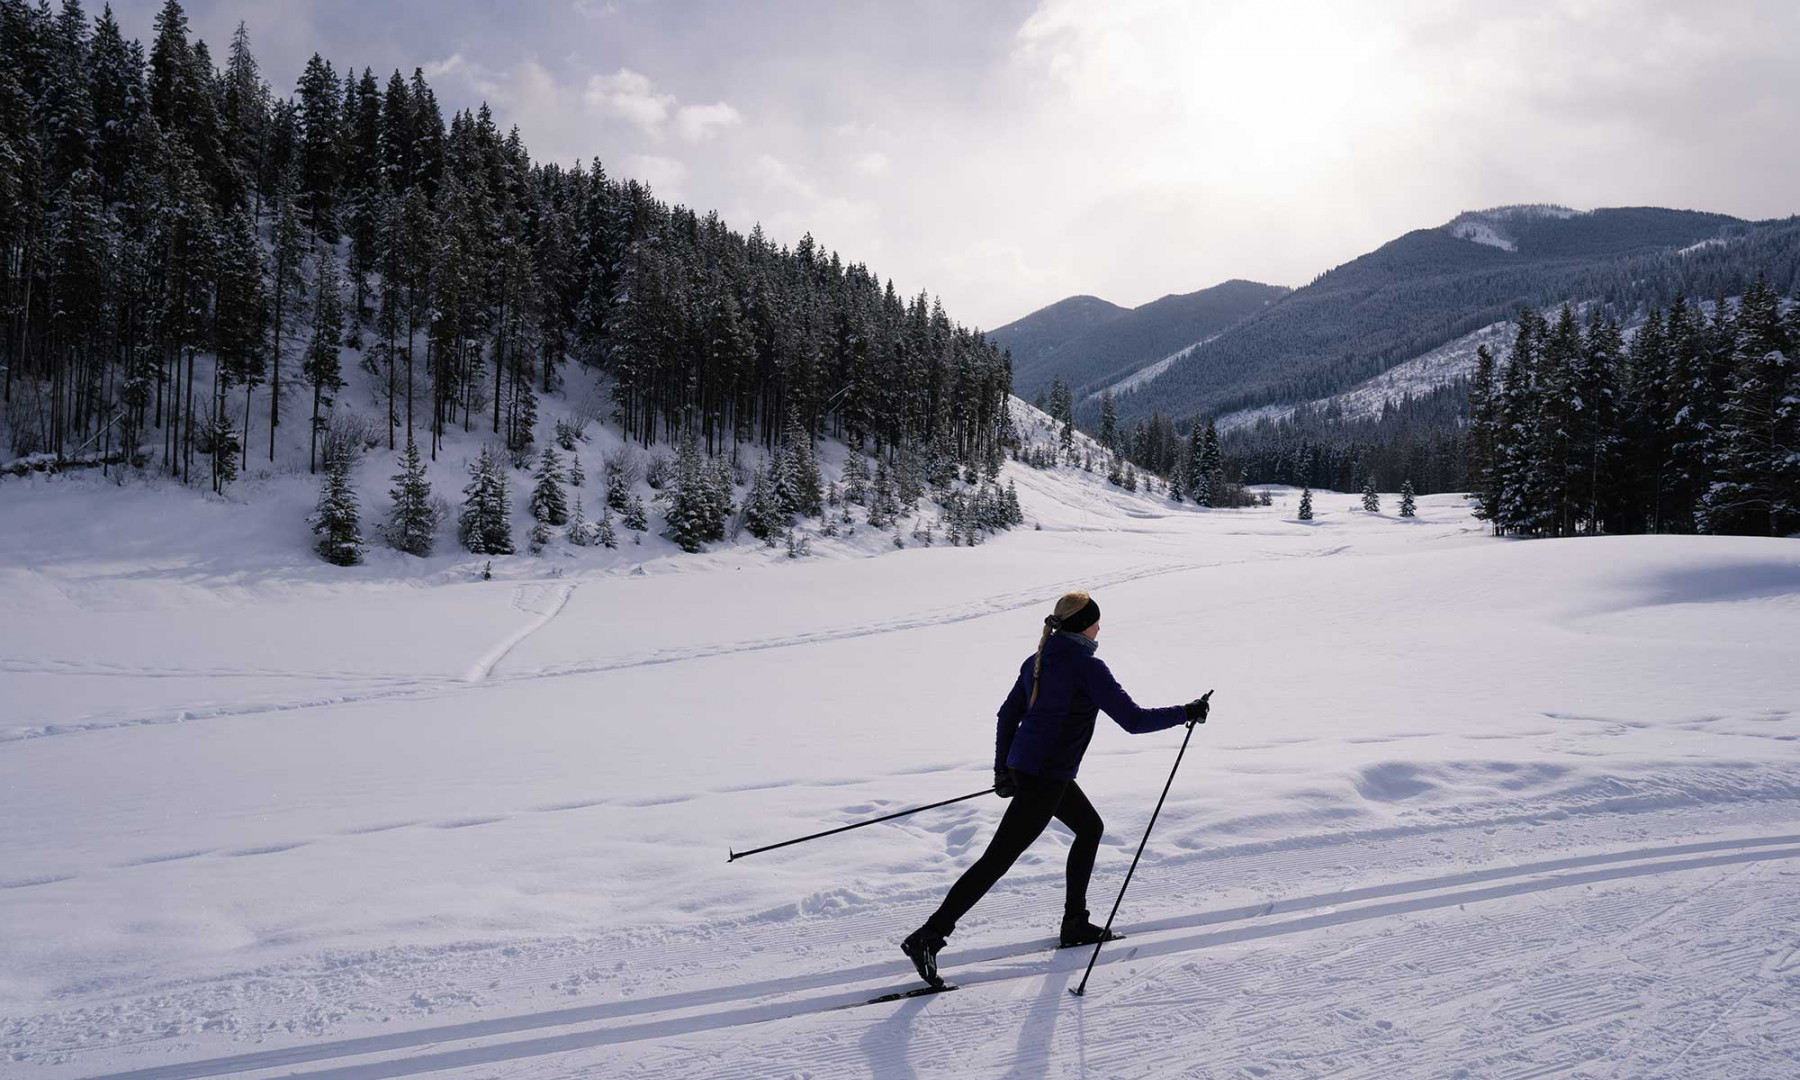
{"x": 1044, "y": 728}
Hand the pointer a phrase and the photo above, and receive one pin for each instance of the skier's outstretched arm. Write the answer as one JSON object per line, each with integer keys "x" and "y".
{"x": 1104, "y": 690}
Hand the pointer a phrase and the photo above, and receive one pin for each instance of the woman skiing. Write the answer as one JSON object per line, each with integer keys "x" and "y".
{"x": 1044, "y": 728}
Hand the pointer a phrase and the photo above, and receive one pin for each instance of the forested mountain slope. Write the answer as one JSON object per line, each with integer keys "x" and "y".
{"x": 1034, "y": 339}
{"x": 1432, "y": 286}
{"x": 1113, "y": 348}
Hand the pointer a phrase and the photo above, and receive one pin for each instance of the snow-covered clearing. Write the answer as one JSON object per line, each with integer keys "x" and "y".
{"x": 1465, "y": 808}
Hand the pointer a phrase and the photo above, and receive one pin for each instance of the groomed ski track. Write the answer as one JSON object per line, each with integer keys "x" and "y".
{"x": 671, "y": 1015}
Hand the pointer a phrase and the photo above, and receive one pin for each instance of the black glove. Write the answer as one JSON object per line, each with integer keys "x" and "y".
{"x": 1003, "y": 783}
{"x": 1196, "y": 710}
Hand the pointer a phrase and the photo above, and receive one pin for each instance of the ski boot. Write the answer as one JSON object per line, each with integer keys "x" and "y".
{"x": 1077, "y": 930}
{"x": 921, "y": 947}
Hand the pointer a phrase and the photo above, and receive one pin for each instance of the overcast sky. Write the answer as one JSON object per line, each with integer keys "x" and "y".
{"x": 1007, "y": 153}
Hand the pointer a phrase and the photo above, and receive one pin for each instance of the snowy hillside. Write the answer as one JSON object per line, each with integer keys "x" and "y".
{"x": 1465, "y": 807}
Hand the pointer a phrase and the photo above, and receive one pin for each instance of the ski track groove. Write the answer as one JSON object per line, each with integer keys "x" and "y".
{"x": 663, "y": 1015}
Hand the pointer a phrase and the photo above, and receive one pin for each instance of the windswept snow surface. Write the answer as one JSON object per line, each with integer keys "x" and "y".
{"x": 1465, "y": 807}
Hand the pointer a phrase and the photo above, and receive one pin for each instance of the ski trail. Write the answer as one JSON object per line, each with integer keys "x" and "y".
{"x": 1004, "y": 966}
{"x": 527, "y": 598}
{"x": 481, "y": 673}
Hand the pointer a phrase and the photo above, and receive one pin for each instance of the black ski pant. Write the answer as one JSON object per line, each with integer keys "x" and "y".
{"x": 1037, "y": 800}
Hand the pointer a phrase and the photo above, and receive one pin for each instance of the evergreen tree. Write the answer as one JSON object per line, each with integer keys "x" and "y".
{"x": 580, "y": 532}
{"x": 548, "y": 504}
{"x": 1109, "y": 421}
{"x": 1756, "y": 451}
{"x": 1306, "y": 511}
{"x": 1371, "y": 502}
{"x": 335, "y": 521}
{"x": 764, "y": 515}
{"x": 1407, "y": 505}
{"x": 322, "y": 368}
{"x": 636, "y": 518}
{"x": 287, "y": 287}
{"x": 240, "y": 321}
{"x": 695, "y": 514}
{"x": 796, "y": 474}
{"x": 1485, "y": 419}
{"x": 321, "y": 148}
{"x": 486, "y": 524}
{"x": 576, "y": 476}
{"x": 412, "y": 524}
{"x": 604, "y": 531}
{"x": 856, "y": 478}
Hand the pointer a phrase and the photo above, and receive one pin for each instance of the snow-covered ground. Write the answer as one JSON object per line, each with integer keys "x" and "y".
{"x": 1465, "y": 808}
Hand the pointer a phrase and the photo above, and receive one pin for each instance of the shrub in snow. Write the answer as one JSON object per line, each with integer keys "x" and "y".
{"x": 659, "y": 472}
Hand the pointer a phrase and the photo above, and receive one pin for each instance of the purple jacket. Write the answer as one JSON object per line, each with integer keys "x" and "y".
{"x": 1049, "y": 738}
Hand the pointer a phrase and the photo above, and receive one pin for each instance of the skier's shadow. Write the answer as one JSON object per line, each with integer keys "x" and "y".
{"x": 888, "y": 1045}
{"x": 1037, "y": 1034}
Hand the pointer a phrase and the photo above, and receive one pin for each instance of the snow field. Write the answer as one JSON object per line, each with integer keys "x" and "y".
{"x": 1504, "y": 808}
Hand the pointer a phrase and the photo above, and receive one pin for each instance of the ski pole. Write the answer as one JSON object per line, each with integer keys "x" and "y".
{"x": 1078, "y": 991}
{"x": 734, "y": 856}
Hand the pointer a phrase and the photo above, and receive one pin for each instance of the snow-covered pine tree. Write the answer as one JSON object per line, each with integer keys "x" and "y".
{"x": 548, "y": 503}
{"x": 856, "y": 478}
{"x": 485, "y": 527}
{"x": 538, "y": 537}
{"x": 576, "y": 476}
{"x": 605, "y": 532}
{"x": 412, "y": 524}
{"x": 1756, "y": 485}
{"x": 1306, "y": 504}
{"x": 335, "y": 521}
{"x": 1485, "y": 418}
{"x": 1109, "y": 421}
{"x": 883, "y": 506}
{"x": 797, "y": 481}
{"x": 1015, "y": 514}
{"x": 694, "y": 513}
{"x": 637, "y": 519}
{"x": 1371, "y": 502}
{"x": 763, "y": 513}
{"x": 1407, "y": 505}
{"x": 580, "y": 532}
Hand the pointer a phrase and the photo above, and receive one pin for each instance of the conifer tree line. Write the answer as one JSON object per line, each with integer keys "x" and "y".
{"x": 156, "y": 207}
{"x": 1694, "y": 426}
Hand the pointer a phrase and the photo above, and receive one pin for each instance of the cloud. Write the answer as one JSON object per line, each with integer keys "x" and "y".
{"x": 663, "y": 174}
{"x": 873, "y": 163}
{"x": 435, "y": 68}
{"x": 629, "y": 96}
{"x": 697, "y": 123}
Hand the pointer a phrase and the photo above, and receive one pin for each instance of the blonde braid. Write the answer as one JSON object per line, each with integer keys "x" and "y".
{"x": 1068, "y": 605}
